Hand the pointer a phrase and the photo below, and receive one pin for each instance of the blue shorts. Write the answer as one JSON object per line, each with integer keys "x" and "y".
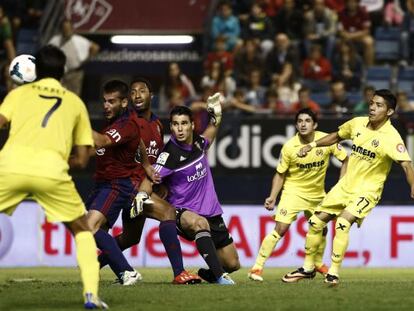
{"x": 111, "y": 197}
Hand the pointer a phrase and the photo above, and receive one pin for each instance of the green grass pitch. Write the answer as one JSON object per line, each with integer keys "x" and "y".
{"x": 360, "y": 289}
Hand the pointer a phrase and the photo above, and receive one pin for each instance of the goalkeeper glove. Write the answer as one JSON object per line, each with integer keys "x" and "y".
{"x": 137, "y": 206}
{"x": 214, "y": 108}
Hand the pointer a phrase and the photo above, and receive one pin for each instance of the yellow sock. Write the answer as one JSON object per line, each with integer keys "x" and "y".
{"x": 88, "y": 262}
{"x": 340, "y": 244}
{"x": 266, "y": 249}
{"x": 319, "y": 253}
{"x": 313, "y": 240}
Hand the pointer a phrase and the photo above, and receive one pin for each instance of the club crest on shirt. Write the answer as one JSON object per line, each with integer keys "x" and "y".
{"x": 162, "y": 158}
{"x": 319, "y": 152}
{"x": 100, "y": 151}
{"x": 375, "y": 143}
{"x": 400, "y": 148}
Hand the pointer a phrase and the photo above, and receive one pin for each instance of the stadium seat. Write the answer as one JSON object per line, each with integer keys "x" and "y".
{"x": 405, "y": 80}
{"x": 387, "y": 43}
{"x": 323, "y": 99}
{"x": 27, "y": 41}
{"x": 354, "y": 97}
{"x": 379, "y": 77}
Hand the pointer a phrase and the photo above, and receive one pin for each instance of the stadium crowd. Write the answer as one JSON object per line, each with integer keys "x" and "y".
{"x": 275, "y": 56}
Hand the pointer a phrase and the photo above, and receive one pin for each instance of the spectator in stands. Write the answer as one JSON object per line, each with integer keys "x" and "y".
{"x": 355, "y": 26}
{"x": 361, "y": 108}
{"x": 320, "y": 28}
{"x": 348, "y": 66}
{"x": 273, "y": 103}
{"x": 78, "y": 50}
{"x": 287, "y": 93}
{"x": 305, "y": 102}
{"x": 282, "y": 62}
{"x": 289, "y": 20}
{"x": 239, "y": 104}
{"x": 7, "y": 52}
{"x": 220, "y": 54}
{"x": 225, "y": 24}
{"x": 259, "y": 28}
{"x": 374, "y": 9}
{"x": 255, "y": 93}
{"x": 335, "y": 5}
{"x": 317, "y": 70}
{"x": 33, "y": 13}
{"x": 247, "y": 59}
{"x": 404, "y": 104}
{"x": 218, "y": 81}
{"x": 14, "y": 10}
{"x": 393, "y": 13}
{"x": 407, "y": 34}
{"x": 340, "y": 103}
{"x": 176, "y": 90}
{"x": 271, "y": 7}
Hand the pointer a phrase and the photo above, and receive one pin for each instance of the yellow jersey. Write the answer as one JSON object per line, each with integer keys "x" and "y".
{"x": 46, "y": 120}
{"x": 372, "y": 154}
{"x": 305, "y": 177}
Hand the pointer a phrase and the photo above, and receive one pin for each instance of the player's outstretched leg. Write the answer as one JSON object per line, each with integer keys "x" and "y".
{"x": 340, "y": 244}
{"x": 319, "y": 265}
{"x": 313, "y": 240}
{"x": 266, "y": 249}
{"x": 88, "y": 263}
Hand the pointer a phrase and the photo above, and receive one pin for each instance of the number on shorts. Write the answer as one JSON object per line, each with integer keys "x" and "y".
{"x": 52, "y": 110}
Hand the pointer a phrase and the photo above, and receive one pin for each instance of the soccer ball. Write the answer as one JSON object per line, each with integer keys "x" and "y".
{"x": 23, "y": 69}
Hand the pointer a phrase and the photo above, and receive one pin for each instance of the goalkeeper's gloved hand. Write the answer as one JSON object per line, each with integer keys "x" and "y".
{"x": 214, "y": 107}
{"x": 137, "y": 206}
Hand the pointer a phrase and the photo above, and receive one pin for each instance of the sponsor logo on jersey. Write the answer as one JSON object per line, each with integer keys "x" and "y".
{"x": 363, "y": 152}
{"x": 310, "y": 165}
{"x": 400, "y": 148}
{"x": 152, "y": 150}
{"x": 319, "y": 152}
{"x": 114, "y": 134}
{"x": 162, "y": 158}
{"x": 201, "y": 172}
{"x": 100, "y": 151}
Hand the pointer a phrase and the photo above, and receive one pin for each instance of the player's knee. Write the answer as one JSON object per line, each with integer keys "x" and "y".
{"x": 368, "y": 41}
{"x": 200, "y": 223}
{"x": 316, "y": 225}
{"x": 342, "y": 225}
{"x": 232, "y": 265}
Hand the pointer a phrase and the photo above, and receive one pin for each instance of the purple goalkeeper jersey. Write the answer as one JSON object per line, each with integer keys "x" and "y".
{"x": 185, "y": 171}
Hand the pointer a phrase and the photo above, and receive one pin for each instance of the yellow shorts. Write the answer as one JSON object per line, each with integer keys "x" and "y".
{"x": 59, "y": 198}
{"x": 291, "y": 205}
{"x": 357, "y": 204}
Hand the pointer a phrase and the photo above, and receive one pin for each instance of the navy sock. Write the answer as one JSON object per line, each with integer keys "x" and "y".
{"x": 207, "y": 250}
{"x": 116, "y": 260}
{"x": 103, "y": 258}
{"x": 168, "y": 236}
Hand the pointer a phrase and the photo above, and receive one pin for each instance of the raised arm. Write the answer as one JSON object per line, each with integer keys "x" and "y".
{"x": 214, "y": 108}
{"x": 327, "y": 140}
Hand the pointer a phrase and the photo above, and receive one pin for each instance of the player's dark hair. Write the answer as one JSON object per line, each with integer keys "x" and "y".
{"x": 388, "y": 96}
{"x": 309, "y": 112}
{"x": 116, "y": 86}
{"x": 50, "y": 62}
{"x": 142, "y": 80}
{"x": 181, "y": 110}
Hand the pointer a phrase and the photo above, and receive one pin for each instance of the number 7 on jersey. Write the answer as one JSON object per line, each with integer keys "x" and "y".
{"x": 51, "y": 110}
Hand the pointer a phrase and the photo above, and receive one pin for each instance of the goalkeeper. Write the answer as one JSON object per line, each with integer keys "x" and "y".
{"x": 302, "y": 180}
{"x": 184, "y": 169}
